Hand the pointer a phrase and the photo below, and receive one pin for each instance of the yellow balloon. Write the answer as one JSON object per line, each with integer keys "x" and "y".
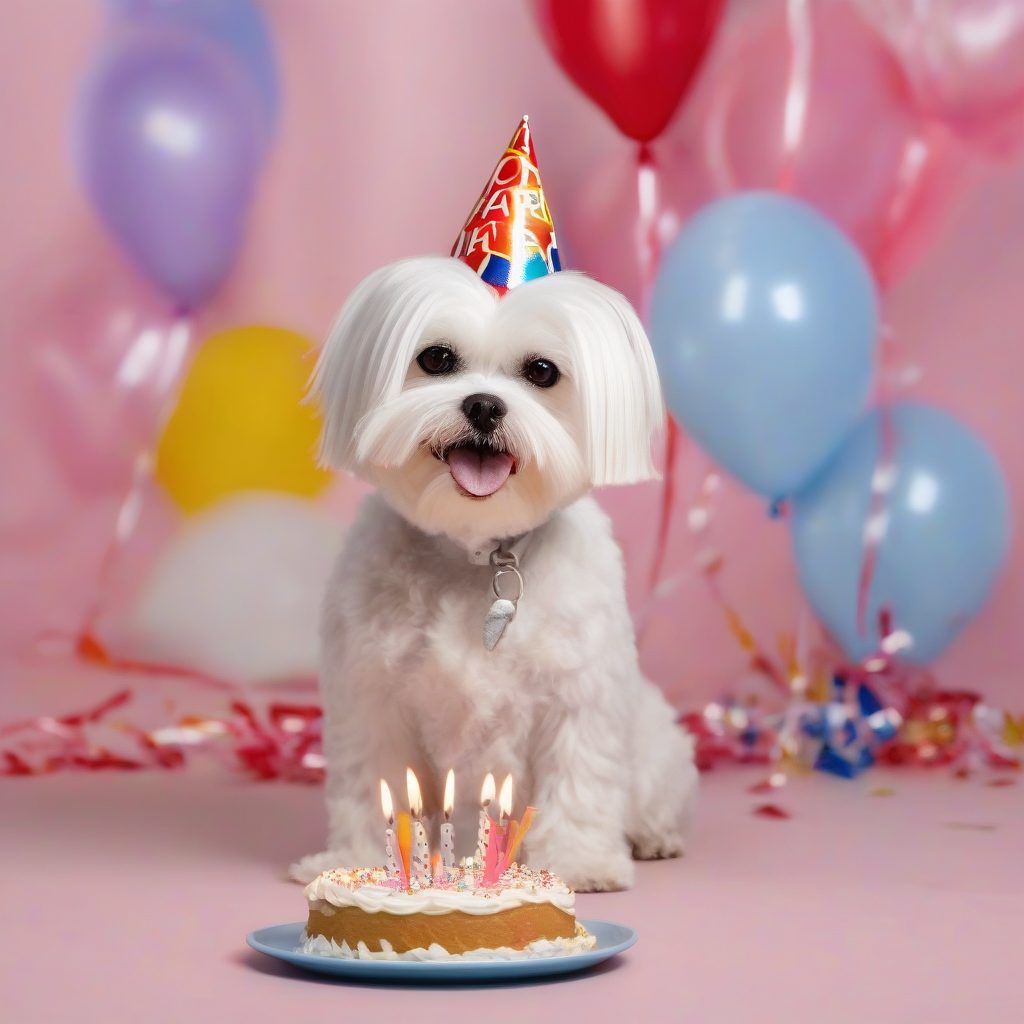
{"x": 240, "y": 423}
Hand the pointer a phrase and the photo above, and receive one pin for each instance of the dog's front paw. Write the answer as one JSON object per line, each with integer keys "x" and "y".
{"x": 660, "y": 847}
{"x": 606, "y": 874}
{"x": 305, "y": 870}
{"x": 584, "y": 865}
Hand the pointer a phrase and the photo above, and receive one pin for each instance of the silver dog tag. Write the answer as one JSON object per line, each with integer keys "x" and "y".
{"x": 501, "y": 613}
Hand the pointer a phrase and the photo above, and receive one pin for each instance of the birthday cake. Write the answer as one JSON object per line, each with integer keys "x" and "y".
{"x": 423, "y": 907}
{"x": 364, "y": 914}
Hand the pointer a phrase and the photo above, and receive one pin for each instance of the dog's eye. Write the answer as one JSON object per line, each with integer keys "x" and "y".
{"x": 436, "y": 360}
{"x": 541, "y": 372}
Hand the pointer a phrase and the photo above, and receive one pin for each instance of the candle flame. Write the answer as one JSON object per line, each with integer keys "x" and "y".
{"x": 385, "y": 802}
{"x": 415, "y": 798}
{"x": 487, "y": 792}
{"x": 505, "y": 799}
{"x": 449, "y": 794}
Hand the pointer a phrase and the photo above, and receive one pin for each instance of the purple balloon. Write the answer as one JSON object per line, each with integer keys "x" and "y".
{"x": 169, "y": 142}
{"x": 237, "y": 25}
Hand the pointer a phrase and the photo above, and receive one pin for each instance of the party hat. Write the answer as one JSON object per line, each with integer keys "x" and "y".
{"x": 509, "y": 237}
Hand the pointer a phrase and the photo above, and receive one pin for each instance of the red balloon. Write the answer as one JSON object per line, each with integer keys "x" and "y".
{"x": 634, "y": 58}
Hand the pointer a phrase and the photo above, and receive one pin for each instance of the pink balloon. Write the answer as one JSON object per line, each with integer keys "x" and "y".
{"x": 100, "y": 353}
{"x": 47, "y": 563}
{"x": 965, "y": 62}
{"x": 623, "y": 213}
{"x": 806, "y": 99}
{"x": 88, "y": 367}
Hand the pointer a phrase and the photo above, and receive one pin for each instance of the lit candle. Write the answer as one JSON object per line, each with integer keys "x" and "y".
{"x": 396, "y": 869}
{"x": 494, "y": 857}
{"x": 419, "y": 852}
{"x": 505, "y": 800}
{"x": 502, "y": 836}
{"x": 448, "y": 829}
{"x": 484, "y": 834}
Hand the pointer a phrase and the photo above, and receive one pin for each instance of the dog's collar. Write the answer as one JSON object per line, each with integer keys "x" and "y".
{"x": 480, "y": 554}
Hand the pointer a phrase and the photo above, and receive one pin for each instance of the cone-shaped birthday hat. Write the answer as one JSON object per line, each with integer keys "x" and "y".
{"x": 509, "y": 237}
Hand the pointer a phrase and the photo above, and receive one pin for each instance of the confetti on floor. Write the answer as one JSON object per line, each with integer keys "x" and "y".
{"x": 882, "y": 791}
{"x": 771, "y": 811}
{"x": 774, "y": 781}
{"x": 996, "y": 783}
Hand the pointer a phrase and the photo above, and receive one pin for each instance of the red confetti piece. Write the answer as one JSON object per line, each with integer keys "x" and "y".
{"x": 771, "y": 811}
{"x": 14, "y": 765}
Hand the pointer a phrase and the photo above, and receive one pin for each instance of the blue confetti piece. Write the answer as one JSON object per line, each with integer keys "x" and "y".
{"x": 829, "y": 761}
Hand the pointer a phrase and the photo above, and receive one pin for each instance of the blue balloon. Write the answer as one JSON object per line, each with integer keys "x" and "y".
{"x": 237, "y": 25}
{"x": 764, "y": 324}
{"x": 945, "y": 531}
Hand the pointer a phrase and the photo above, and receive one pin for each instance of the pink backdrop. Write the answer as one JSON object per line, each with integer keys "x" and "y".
{"x": 392, "y": 116}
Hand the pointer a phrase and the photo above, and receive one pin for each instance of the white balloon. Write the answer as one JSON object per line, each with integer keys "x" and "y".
{"x": 237, "y": 593}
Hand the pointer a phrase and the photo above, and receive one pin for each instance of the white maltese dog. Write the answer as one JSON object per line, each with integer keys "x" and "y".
{"x": 484, "y": 422}
{"x": 477, "y": 616}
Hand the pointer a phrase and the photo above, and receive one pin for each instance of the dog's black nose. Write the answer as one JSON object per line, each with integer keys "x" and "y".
{"x": 485, "y": 412}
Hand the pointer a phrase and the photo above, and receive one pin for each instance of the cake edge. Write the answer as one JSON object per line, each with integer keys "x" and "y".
{"x": 319, "y": 945}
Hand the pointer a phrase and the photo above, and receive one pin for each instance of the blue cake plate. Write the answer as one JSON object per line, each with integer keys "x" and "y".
{"x": 280, "y": 941}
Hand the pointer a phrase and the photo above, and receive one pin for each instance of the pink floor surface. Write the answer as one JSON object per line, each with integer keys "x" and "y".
{"x": 128, "y": 897}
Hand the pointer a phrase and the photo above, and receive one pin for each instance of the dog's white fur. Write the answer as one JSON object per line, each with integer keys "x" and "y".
{"x": 405, "y": 679}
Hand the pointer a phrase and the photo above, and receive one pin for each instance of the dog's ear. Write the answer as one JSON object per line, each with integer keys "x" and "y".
{"x": 376, "y": 335}
{"x": 613, "y": 367}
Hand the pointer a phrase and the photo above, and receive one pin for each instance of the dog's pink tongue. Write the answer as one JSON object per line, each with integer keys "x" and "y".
{"x": 480, "y": 474}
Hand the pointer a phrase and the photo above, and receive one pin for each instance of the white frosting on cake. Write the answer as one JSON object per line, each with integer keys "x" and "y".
{"x": 516, "y": 888}
{"x": 319, "y": 945}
